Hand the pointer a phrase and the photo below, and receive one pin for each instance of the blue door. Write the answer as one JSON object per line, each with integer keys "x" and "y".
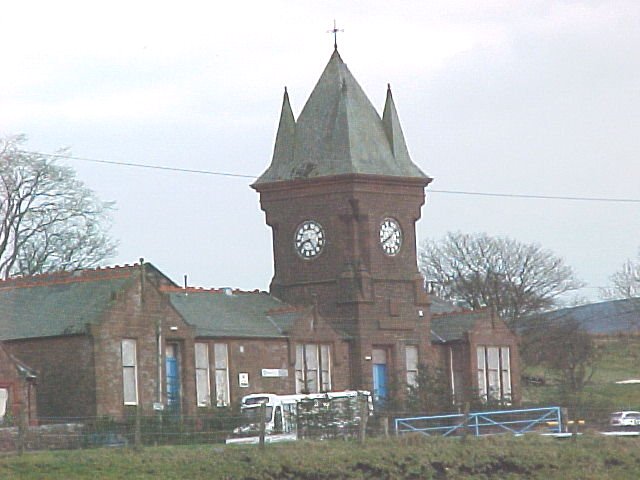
{"x": 379, "y": 383}
{"x": 379, "y": 357}
{"x": 173, "y": 379}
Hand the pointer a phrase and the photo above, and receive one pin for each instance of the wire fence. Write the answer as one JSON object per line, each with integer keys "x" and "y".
{"x": 170, "y": 429}
{"x": 310, "y": 422}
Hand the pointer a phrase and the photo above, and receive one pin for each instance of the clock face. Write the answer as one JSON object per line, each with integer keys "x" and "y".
{"x": 309, "y": 239}
{"x": 390, "y": 236}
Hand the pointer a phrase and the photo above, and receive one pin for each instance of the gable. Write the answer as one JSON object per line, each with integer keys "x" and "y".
{"x": 455, "y": 326}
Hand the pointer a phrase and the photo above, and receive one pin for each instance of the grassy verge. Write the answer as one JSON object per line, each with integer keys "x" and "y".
{"x": 411, "y": 458}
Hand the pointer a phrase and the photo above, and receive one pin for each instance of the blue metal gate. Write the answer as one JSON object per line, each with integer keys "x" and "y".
{"x": 517, "y": 422}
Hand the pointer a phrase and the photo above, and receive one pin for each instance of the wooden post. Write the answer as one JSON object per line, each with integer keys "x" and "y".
{"x": 22, "y": 429}
{"x": 137, "y": 438}
{"x": 364, "y": 417}
{"x": 385, "y": 425}
{"x": 137, "y": 435}
{"x": 574, "y": 426}
{"x": 465, "y": 425}
{"x": 263, "y": 423}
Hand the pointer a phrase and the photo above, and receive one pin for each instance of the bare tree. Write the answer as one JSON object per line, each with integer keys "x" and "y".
{"x": 49, "y": 220}
{"x": 560, "y": 343}
{"x": 625, "y": 283}
{"x": 477, "y": 271}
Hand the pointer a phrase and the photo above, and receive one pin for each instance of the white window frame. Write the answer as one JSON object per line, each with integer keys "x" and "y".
{"x": 203, "y": 382}
{"x": 221, "y": 361}
{"x": 129, "y": 352}
{"x": 313, "y": 367}
{"x": 494, "y": 373}
{"x": 411, "y": 363}
{"x": 505, "y": 372}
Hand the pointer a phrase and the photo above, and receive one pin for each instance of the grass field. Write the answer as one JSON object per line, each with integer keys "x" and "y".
{"x": 408, "y": 458}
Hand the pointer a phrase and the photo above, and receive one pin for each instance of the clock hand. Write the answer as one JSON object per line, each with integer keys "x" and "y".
{"x": 308, "y": 241}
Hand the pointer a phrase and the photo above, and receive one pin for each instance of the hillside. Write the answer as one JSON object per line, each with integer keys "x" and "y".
{"x": 619, "y": 359}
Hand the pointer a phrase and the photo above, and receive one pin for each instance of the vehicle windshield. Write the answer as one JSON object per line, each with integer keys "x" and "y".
{"x": 251, "y": 415}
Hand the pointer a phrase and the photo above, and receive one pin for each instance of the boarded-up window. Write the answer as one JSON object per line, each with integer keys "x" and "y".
{"x": 4, "y": 399}
{"x": 411, "y": 356}
{"x": 482, "y": 373}
{"x": 313, "y": 368}
{"x": 300, "y": 374}
{"x": 311, "y": 359}
{"x": 203, "y": 389}
{"x": 505, "y": 369}
{"x": 494, "y": 373}
{"x": 325, "y": 368}
{"x": 129, "y": 372}
{"x": 221, "y": 358}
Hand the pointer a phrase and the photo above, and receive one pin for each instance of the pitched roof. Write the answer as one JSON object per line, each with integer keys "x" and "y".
{"x": 63, "y": 303}
{"x": 233, "y": 313}
{"x": 22, "y": 369}
{"x": 438, "y": 306}
{"x": 609, "y": 317}
{"x": 448, "y": 327}
{"x": 339, "y": 132}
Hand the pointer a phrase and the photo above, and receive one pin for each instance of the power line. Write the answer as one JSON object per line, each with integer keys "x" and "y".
{"x": 142, "y": 165}
{"x": 539, "y": 197}
{"x": 239, "y": 175}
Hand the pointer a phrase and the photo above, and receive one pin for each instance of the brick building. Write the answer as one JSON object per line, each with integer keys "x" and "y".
{"x": 17, "y": 390}
{"x": 342, "y": 197}
{"x": 346, "y": 309}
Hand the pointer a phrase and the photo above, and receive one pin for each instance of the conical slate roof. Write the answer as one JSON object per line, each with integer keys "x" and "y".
{"x": 339, "y": 132}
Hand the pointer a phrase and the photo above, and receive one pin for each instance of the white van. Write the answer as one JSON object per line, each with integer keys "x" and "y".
{"x": 281, "y": 414}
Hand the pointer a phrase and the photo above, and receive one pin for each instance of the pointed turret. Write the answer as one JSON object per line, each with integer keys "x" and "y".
{"x": 339, "y": 132}
{"x": 392, "y": 128}
{"x": 285, "y": 138}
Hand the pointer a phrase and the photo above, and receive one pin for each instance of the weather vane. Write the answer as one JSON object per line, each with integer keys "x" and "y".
{"x": 335, "y": 31}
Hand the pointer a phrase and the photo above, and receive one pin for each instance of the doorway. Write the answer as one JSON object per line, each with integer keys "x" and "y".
{"x": 380, "y": 375}
{"x": 173, "y": 377}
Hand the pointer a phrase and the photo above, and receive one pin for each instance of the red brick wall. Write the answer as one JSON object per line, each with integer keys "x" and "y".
{"x": 133, "y": 317}
{"x": 66, "y": 386}
{"x": 358, "y": 289}
{"x": 252, "y": 355}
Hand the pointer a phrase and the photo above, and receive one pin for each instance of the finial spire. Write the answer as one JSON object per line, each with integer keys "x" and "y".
{"x": 335, "y": 31}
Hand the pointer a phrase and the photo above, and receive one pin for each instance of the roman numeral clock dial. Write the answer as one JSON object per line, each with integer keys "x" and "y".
{"x": 309, "y": 239}
{"x": 390, "y": 236}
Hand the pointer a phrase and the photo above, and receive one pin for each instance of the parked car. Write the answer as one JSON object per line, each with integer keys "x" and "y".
{"x": 624, "y": 419}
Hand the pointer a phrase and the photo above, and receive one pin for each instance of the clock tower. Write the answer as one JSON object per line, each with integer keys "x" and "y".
{"x": 342, "y": 197}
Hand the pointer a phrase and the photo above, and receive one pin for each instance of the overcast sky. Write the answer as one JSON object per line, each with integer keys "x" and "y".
{"x": 523, "y": 97}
